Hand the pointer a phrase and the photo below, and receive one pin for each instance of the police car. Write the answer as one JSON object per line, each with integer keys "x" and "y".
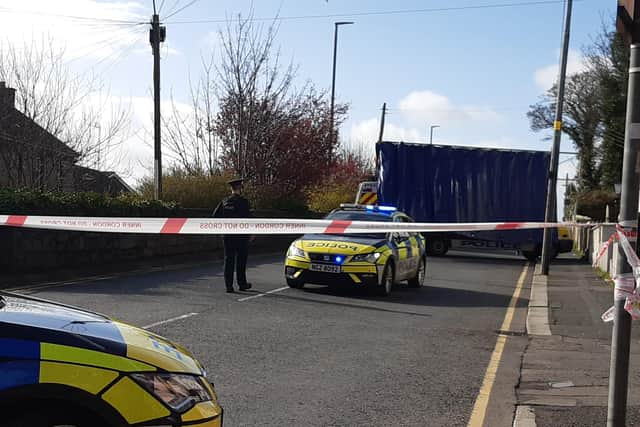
{"x": 375, "y": 259}
{"x": 63, "y": 366}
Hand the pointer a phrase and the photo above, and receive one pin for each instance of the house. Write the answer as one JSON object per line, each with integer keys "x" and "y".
{"x": 32, "y": 158}
{"x": 87, "y": 179}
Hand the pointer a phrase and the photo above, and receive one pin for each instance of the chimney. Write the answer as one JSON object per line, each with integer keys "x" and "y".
{"x": 7, "y": 96}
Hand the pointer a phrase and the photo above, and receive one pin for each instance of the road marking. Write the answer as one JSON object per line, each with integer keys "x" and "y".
{"x": 47, "y": 285}
{"x": 273, "y": 291}
{"x": 127, "y": 274}
{"x": 482, "y": 401}
{"x": 173, "y": 319}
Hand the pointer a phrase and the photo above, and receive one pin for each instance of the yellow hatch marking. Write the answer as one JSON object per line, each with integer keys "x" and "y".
{"x": 202, "y": 410}
{"x": 83, "y": 377}
{"x": 482, "y": 401}
{"x": 295, "y": 263}
{"x": 133, "y": 402}
{"x": 63, "y": 353}
{"x": 355, "y": 278}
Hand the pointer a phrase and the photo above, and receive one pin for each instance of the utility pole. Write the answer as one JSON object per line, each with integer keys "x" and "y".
{"x": 384, "y": 113}
{"x": 629, "y": 25}
{"x": 157, "y": 35}
{"x": 555, "y": 152}
{"x": 333, "y": 78}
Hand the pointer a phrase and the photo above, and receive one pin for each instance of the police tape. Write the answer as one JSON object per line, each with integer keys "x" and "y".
{"x": 252, "y": 225}
{"x": 604, "y": 248}
{"x": 626, "y": 285}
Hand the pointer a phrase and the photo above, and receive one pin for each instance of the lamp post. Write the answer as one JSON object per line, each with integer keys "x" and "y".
{"x": 431, "y": 128}
{"x": 333, "y": 79}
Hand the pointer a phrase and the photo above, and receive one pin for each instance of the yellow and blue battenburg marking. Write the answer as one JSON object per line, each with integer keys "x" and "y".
{"x": 42, "y": 343}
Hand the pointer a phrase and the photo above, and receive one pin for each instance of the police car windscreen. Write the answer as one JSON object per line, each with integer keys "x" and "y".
{"x": 361, "y": 216}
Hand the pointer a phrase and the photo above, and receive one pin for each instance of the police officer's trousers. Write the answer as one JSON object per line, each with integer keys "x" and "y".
{"x": 236, "y": 251}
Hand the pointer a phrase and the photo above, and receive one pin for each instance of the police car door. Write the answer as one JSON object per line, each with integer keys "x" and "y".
{"x": 417, "y": 250}
{"x": 403, "y": 250}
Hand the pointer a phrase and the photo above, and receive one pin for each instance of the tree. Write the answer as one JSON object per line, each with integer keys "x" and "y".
{"x": 595, "y": 111}
{"x": 66, "y": 105}
{"x": 246, "y": 118}
{"x": 352, "y": 166}
{"x": 269, "y": 132}
{"x": 189, "y": 133}
{"x": 608, "y": 60}
{"x": 581, "y": 121}
{"x": 252, "y": 92}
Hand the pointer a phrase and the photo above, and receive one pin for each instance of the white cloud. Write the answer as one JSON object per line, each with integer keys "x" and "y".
{"x": 429, "y": 107}
{"x": 211, "y": 41}
{"x": 366, "y": 132}
{"x": 85, "y": 28}
{"x": 546, "y": 77}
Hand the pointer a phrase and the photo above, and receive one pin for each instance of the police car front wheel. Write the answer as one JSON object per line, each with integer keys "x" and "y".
{"x": 388, "y": 278}
{"x": 418, "y": 280}
{"x": 293, "y": 283}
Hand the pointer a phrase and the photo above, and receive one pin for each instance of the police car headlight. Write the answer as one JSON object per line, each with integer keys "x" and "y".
{"x": 372, "y": 257}
{"x": 180, "y": 392}
{"x": 296, "y": 251}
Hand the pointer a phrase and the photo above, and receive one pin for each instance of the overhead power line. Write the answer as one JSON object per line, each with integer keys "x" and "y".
{"x": 473, "y": 109}
{"x": 385, "y": 12}
{"x": 173, "y": 7}
{"x": 181, "y": 9}
{"x": 71, "y": 17}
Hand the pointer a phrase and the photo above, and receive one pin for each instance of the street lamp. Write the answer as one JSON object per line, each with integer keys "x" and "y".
{"x": 431, "y": 128}
{"x": 333, "y": 79}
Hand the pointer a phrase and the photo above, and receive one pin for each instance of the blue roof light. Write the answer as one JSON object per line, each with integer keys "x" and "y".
{"x": 387, "y": 208}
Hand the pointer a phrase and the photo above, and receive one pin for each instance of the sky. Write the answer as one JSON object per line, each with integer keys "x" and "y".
{"x": 471, "y": 67}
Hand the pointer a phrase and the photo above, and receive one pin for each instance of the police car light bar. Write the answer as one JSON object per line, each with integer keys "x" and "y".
{"x": 373, "y": 208}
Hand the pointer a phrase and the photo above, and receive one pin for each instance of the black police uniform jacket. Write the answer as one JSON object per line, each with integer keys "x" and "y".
{"x": 234, "y": 206}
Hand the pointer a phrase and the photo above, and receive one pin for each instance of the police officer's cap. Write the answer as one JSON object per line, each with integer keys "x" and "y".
{"x": 235, "y": 181}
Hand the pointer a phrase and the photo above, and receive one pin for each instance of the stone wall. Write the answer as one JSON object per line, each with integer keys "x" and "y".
{"x": 30, "y": 250}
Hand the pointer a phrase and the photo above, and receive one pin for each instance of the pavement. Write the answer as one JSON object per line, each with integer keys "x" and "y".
{"x": 564, "y": 373}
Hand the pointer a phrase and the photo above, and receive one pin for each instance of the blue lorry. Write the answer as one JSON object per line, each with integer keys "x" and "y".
{"x": 437, "y": 183}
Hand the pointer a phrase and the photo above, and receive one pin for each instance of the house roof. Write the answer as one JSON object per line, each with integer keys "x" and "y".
{"x": 16, "y": 127}
{"x": 88, "y": 179}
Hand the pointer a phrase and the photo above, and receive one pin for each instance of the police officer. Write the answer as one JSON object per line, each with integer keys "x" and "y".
{"x": 236, "y": 246}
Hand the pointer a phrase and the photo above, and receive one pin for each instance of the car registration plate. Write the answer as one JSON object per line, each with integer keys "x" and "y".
{"x": 325, "y": 268}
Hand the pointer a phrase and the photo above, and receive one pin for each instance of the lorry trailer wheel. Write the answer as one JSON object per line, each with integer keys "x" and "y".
{"x": 437, "y": 247}
{"x": 534, "y": 255}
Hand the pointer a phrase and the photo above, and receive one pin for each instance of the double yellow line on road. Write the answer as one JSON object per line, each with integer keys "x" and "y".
{"x": 482, "y": 401}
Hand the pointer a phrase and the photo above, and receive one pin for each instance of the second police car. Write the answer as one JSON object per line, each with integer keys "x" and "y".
{"x": 376, "y": 259}
{"x": 64, "y": 366}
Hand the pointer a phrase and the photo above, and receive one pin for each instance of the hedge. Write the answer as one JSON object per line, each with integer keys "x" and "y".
{"x": 28, "y": 202}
